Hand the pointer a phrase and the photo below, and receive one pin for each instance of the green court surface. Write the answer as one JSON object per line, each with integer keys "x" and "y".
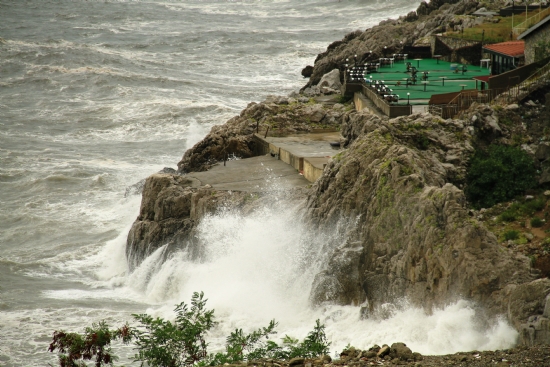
{"x": 441, "y": 79}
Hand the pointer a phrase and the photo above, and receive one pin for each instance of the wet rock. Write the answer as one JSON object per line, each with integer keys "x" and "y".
{"x": 384, "y": 351}
{"x": 401, "y": 351}
{"x": 307, "y": 71}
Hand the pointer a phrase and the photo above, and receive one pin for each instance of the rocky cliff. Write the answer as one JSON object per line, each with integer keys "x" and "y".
{"x": 398, "y": 182}
{"x": 415, "y": 237}
{"x": 173, "y": 204}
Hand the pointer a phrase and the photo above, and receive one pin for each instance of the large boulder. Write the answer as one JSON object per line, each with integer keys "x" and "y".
{"x": 330, "y": 82}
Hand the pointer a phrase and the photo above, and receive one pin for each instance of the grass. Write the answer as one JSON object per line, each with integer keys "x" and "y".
{"x": 494, "y": 32}
{"x": 511, "y": 234}
{"x": 517, "y": 209}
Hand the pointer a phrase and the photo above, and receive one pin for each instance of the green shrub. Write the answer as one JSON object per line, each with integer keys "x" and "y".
{"x": 536, "y": 222}
{"x": 535, "y": 205}
{"x": 181, "y": 343}
{"x": 74, "y": 348}
{"x": 498, "y": 174}
{"x": 511, "y": 234}
{"x": 508, "y": 216}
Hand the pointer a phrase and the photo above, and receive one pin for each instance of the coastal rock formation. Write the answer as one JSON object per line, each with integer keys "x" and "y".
{"x": 413, "y": 236}
{"x": 173, "y": 204}
{"x": 170, "y": 209}
{"x": 390, "y": 36}
{"x": 399, "y": 183}
{"x": 281, "y": 115}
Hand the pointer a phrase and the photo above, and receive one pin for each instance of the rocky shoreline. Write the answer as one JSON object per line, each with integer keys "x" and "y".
{"x": 416, "y": 235}
{"x": 398, "y": 354}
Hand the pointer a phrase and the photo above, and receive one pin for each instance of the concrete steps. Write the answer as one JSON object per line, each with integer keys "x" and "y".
{"x": 307, "y": 153}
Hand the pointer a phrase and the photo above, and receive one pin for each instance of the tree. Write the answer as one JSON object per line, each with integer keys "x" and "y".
{"x": 498, "y": 174}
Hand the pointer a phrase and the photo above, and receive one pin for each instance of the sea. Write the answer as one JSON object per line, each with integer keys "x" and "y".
{"x": 97, "y": 95}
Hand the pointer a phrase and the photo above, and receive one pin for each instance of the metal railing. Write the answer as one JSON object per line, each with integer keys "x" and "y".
{"x": 466, "y": 98}
{"x": 531, "y": 21}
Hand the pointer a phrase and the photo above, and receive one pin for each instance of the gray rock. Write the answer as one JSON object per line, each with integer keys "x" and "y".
{"x": 527, "y": 149}
{"x": 296, "y": 361}
{"x": 543, "y": 152}
{"x": 384, "y": 351}
{"x": 513, "y": 106}
{"x": 401, "y": 351}
{"x": 331, "y": 80}
{"x": 530, "y": 103}
{"x": 529, "y": 197}
{"x": 315, "y": 113}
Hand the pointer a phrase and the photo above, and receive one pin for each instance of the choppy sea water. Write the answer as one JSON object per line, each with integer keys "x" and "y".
{"x": 97, "y": 95}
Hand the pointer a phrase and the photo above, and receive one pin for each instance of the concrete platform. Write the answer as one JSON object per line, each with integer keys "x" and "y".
{"x": 257, "y": 174}
{"x": 307, "y": 153}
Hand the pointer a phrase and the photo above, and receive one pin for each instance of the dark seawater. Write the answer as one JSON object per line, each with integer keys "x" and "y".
{"x": 97, "y": 95}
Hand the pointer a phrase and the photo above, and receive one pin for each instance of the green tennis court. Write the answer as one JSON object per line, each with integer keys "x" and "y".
{"x": 442, "y": 77}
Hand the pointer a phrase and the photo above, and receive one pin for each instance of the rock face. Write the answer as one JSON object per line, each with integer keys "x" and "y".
{"x": 280, "y": 114}
{"x": 430, "y": 18}
{"x": 398, "y": 182}
{"x": 172, "y": 204}
{"x": 170, "y": 209}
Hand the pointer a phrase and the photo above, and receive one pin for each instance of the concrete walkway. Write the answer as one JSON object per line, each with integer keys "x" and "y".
{"x": 256, "y": 174}
{"x": 282, "y": 163}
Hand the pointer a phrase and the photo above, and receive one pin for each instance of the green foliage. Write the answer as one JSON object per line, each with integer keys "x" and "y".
{"x": 246, "y": 347}
{"x": 511, "y": 234}
{"x": 532, "y": 206}
{"x": 162, "y": 343}
{"x": 536, "y": 222}
{"x": 498, "y": 175}
{"x": 508, "y": 216}
{"x": 542, "y": 50}
{"x": 74, "y": 348}
{"x": 516, "y": 210}
{"x": 181, "y": 343}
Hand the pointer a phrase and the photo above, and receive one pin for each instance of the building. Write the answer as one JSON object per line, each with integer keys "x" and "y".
{"x": 505, "y": 56}
{"x": 533, "y": 36}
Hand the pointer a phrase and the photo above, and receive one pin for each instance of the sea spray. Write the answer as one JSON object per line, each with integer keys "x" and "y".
{"x": 261, "y": 265}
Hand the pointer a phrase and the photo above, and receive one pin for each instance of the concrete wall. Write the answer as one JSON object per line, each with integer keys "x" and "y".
{"x": 313, "y": 168}
{"x": 387, "y": 109}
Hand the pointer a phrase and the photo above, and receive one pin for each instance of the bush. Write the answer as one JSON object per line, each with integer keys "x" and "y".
{"x": 499, "y": 174}
{"x": 536, "y": 222}
{"x": 74, "y": 348}
{"x": 181, "y": 343}
{"x": 535, "y": 205}
{"x": 508, "y": 216}
{"x": 511, "y": 234}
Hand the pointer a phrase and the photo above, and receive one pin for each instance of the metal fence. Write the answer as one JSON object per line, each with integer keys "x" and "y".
{"x": 511, "y": 94}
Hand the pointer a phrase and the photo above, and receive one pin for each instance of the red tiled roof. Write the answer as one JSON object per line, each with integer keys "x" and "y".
{"x": 510, "y": 48}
